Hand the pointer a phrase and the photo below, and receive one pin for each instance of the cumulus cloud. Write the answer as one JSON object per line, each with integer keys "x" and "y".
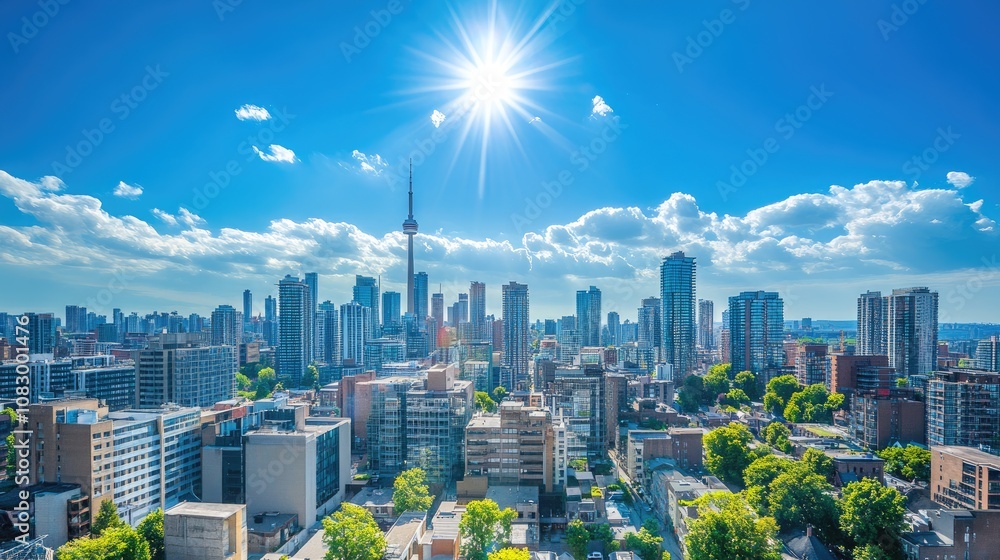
{"x": 437, "y": 117}
{"x": 125, "y": 190}
{"x": 278, "y": 154}
{"x": 252, "y": 112}
{"x": 960, "y": 179}
{"x": 847, "y": 236}
{"x": 372, "y": 164}
{"x": 600, "y": 107}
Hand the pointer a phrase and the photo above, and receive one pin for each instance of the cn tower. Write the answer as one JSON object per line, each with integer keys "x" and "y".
{"x": 410, "y": 229}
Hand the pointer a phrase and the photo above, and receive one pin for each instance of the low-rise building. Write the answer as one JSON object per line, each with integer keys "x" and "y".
{"x": 963, "y": 477}
{"x": 205, "y": 531}
{"x": 954, "y": 534}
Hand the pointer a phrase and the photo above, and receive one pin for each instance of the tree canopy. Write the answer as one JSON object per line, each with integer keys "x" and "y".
{"x": 151, "y": 529}
{"x": 119, "y": 542}
{"x": 410, "y": 491}
{"x": 779, "y": 390}
{"x": 484, "y": 402}
{"x": 727, "y": 451}
{"x": 910, "y": 462}
{"x": 484, "y": 526}
{"x": 645, "y": 543}
{"x": 747, "y": 381}
{"x": 777, "y": 435}
{"x": 869, "y": 511}
{"x": 107, "y": 518}
{"x": 727, "y": 528}
{"x": 351, "y": 533}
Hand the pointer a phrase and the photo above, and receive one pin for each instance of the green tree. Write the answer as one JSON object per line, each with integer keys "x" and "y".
{"x": 484, "y": 402}
{"x": 728, "y": 529}
{"x": 243, "y": 382}
{"x": 410, "y": 491}
{"x": 911, "y": 462}
{"x": 818, "y": 462}
{"x": 777, "y": 435}
{"x": 510, "y": 553}
{"x": 10, "y": 442}
{"x": 870, "y": 552}
{"x": 903, "y": 381}
{"x": 727, "y": 451}
{"x": 813, "y": 404}
{"x": 692, "y": 393}
{"x": 484, "y": 526}
{"x": 747, "y": 381}
{"x": 870, "y": 510}
{"x": 115, "y": 543}
{"x": 799, "y": 498}
{"x": 577, "y": 539}
{"x": 310, "y": 378}
{"x": 757, "y": 480}
{"x": 779, "y": 391}
{"x": 602, "y": 533}
{"x": 735, "y": 398}
{"x": 499, "y": 392}
{"x": 716, "y": 383}
{"x": 644, "y": 543}
{"x": 151, "y": 530}
{"x": 12, "y": 414}
{"x": 107, "y": 517}
{"x": 351, "y": 533}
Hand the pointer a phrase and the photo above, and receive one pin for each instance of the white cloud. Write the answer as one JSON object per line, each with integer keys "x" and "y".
{"x": 535, "y": 120}
{"x": 164, "y": 217}
{"x": 252, "y": 112}
{"x": 437, "y": 117}
{"x": 600, "y": 107}
{"x": 875, "y": 235}
{"x": 370, "y": 164}
{"x": 278, "y": 153}
{"x": 960, "y": 179}
{"x": 125, "y": 190}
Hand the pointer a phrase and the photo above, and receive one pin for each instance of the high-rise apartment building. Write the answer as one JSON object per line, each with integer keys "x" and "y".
{"x": 477, "y": 311}
{"x": 872, "y": 316}
{"x": 437, "y": 411}
{"x": 366, "y": 293}
{"x": 355, "y": 321}
{"x": 964, "y": 478}
{"x": 295, "y": 329}
{"x": 76, "y": 319}
{"x": 329, "y": 351}
{"x": 227, "y": 326}
{"x": 650, "y": 335}
{"x": 962, "y": 409}
{"x": 247, "y": 307}
{"x": 588, "y": 316}
{"x": 437, "y": 308}
{"x": 177, "y": 369}
{"x": 420, "y": 308}
{"x": 43, "y": 338}
{"x": 578, "y": 396}
{"x": 811, "y": 364}
{"x": 988, "y": 354}
{"x": 516, "y": 336}
{"x": 756, "y": 331}
{"x": 391, "y": 311}
{"x": 912, "y": 330}
{"x": 706, "y": 324}
{"x": 677, "y": 295}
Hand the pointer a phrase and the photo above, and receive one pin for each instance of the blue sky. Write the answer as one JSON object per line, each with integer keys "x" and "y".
{"x": 801, "y": 148}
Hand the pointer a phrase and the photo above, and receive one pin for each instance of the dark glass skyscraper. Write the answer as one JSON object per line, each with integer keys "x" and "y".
{"x": 677, "y": 295}
{"x": 756, "y": 331}
{"x": 872, "y": 316}
{"x": 516, "y": 336}
{"x": 588, "y": 316}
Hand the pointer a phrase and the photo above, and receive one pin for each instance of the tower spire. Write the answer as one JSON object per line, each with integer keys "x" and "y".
{"x": 411, "y": 190}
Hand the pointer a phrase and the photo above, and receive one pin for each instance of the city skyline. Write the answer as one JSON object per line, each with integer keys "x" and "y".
{"x": 834, "y": 210}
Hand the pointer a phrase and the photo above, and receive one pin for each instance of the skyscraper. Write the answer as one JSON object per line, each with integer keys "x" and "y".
{"x": 42, "y": 327}
{"x": 176, "y": 368}
{"x": 614, "y": 329}
{"x": 706, "y": 324}
{"x": 756, "y": 331}
{"x": 247, "y": 307}
{"x": 912, "y": 329}
{"x": 312, "y": 281}
{"x": 588, "y": 316}
{"x": 270, "y": 309}
{"x": 76, "y": 319}
{"x": 516, "y": 335}
{"x": 437, "y": 308}
{"x": 650, "y": 335}
{"x": 477, "y": 310}
{"x": 227, "y": 326}
{"x": 329, "y": 352}
{"x": 366, "y": 293}
{"x": 391, "y": 311}
{"x": 270, "y": 327}
{"x": 410, "y": 229}
{"x": 294, "y": 329}
{"x": 462, "y": 309}
{"x": 420, "y": 297}
{"x": 354, "y": 329}
{"x": 872, "y": 316}
{"x": 988, "y": 354}
{"x": 677, "y": 292}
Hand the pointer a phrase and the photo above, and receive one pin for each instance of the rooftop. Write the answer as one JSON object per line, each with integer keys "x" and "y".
{"x": 509, "y": 496}
{"x": 968, "y": 454}
{"x": 405, "y": 530}
{"x": 205, "y": 509}
{"x": 270, "y": 523}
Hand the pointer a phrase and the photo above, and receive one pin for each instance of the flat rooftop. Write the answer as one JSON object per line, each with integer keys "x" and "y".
{"x": 204, "y": 509}
{"x": 509, "y": 496}
{"x": 405, "y": 530}
{"x": 968, "y": 454}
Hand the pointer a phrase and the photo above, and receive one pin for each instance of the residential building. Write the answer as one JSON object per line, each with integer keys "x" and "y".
{"x": 247, "y": 309}
{"x": 756, "y": 331}
{"x": 295, "y": 329}
{"x": 311, "y": 280}
{"x": 436, "y": 414}
{"x": 227, "y": 326}
{"x": 420, "y": 309}
{"x": 677, "y": 293}
{"x": 879, "y": 419}
{"x": 588, "y": 316}
{"x": 355, "y": 329}
{"x": 811, "y": 364}
{"x": 963, "y": 477}
{"x": 706, "y": 324}
{"x": 366, "y": 294}
{"x": 177, "y": 369}
{"x": 516, "y": 336}
{"x": 391, "y": 311}
{"x": 962, "y": 409}
{"x": 578, "y": 396}
{"x": 988, "y": 354}
{"x": 872, "y": 317}
{"x": 614, "y": 329}
{"x": 849, "y": 372}
{"x": 330, "y": 347}
{"x": 650, "y": 333}
{"x": 912, "y": 331}
{"x": 953, "y": 534}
